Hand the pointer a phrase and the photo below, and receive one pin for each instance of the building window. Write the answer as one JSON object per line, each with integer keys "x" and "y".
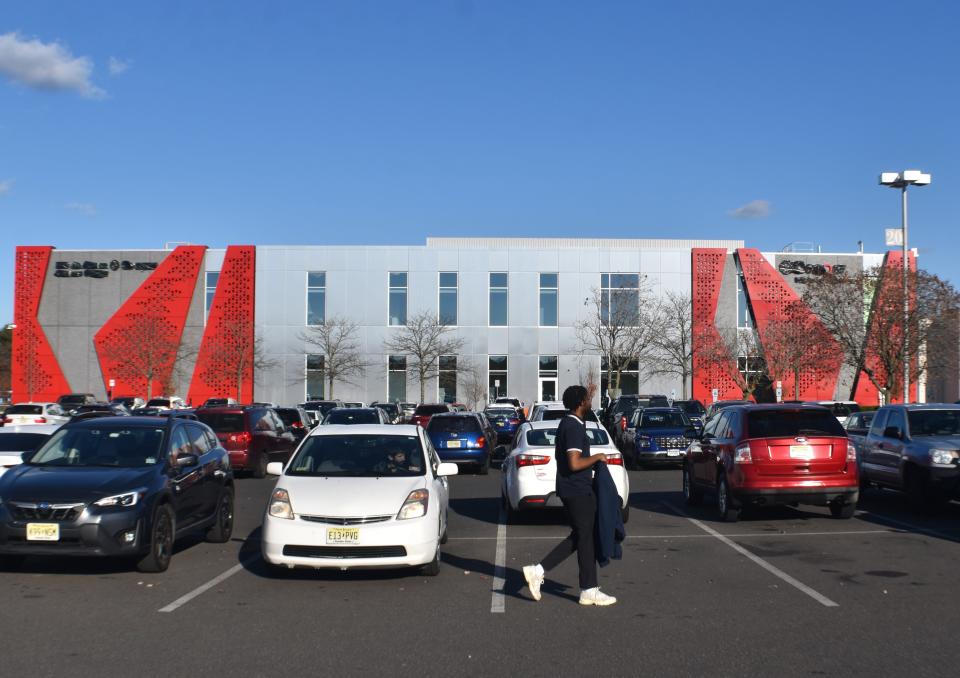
{"x": 744, "y": 321}
{"x": 448, "y": 379}
{"x": 397, "y": 378}
{"x": 398, "y": 298}
{"x": 448, "y": 299}
{"x": 629, "y": 377}
{"x": 498, "y": 299}
{"x": 211, "y": 285}
{"x": 548, "y": 378}
{"x": 548, "y": 299}
{"x": 620, "y": 299}
{"x": 497, "y": 366}
{"x": 316, "y": 297}
{"x": 314, "y": 377}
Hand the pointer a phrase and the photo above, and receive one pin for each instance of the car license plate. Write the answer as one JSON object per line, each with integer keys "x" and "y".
{"x": 500, "y": 424}
{"x": 43, "y": 532}
{"x": 343, "y": 535}
{"x": 673, "y": 453}
{"x": 801, "y": 452}
{"x": 453, "y": 443}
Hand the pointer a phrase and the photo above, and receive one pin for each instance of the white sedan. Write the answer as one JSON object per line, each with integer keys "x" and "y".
{"x": 28, "y": 414}
{"x": 360, "y": 496}
{"x": 530, "y": 470}
{"x": 17, "y": 439}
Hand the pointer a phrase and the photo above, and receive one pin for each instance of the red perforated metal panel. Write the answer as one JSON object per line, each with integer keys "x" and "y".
{"x": 770, "y": 298}
{"x": 36, "y": 374}
{"x": 140, "y": 343}
{"x": 225, "y": 363}
{"x": 707, "y": 267}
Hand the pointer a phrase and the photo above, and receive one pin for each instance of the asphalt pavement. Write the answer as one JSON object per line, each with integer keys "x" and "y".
{"x": 788, "y": 591}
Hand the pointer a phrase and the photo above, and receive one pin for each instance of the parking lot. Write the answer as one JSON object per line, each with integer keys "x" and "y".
{"x": 787, "y": 591}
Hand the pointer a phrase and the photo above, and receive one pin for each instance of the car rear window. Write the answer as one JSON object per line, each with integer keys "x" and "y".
{"x": 453, "y": 425}
{"x": 547, "y": 437}
{"x": 288, "y": 416}
{"x": 431, "y": 409}
{"x": 358, "y": 456}
{"x": 21, "y": 442}
{"x": 352, "y": 416}
{"x": 69, "y": 400}
{"x": 792, "y": 423}
{"x": 25, "y": 409}
{"x": 693, "y": 407}
{"x": 553, "y": 415}
{"x": 222, "y": 422}
{"x": 389, "y": 408}
{"x": 507, "y": 412}
{"x": 934, "y": 422}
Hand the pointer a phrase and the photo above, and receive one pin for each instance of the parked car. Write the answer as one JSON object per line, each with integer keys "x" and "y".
{"x": 756, "y": 455}
{"x": 462, "y": 438}
{"x": 167, "y": 403}
{"x": 916, "y": 449}
{"x": 354, "y": 404}
{"x": 408, "y": 411}
{"x": 841, "y": 409}
{"x": 359, "y": 497}
{"x": 26, "y": 414}
{"x": 393, "y": 411}
{"x": 355, "y": 415}
{"x": 253, "y": 436}
{"x": 71, "y": 401}
{"x": 553, "y": 411}
{"x": 104, "y": 408}
{"x": 721, "y": 405}
{"x": 857, "y": 427}
{"x": 516, "y": 402}
{"x": 694, "y": 410}
{"x": 529, "y": 473}
{"x": 130, "y": 402}
{"x": 16, "y": 440}
{"x": 421, "y": 416}
{"x": 318, "y": 408}
{"x": 505, "y": 420}
{"x": 218, "y": 402}
{"x": 620, "y": 409}
{"x": 122, "y": 487}
{"x": 660, "y": 435}
{"x": 297, "y": 420}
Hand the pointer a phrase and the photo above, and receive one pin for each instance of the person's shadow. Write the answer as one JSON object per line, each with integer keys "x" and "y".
{"x": 513, "y": 584}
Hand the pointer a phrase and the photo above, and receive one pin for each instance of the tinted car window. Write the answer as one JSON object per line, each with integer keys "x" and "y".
{"x": 650, "y": 419}
{"x": 288, "y": 415}
{"x": 546, "y": 437}
{"x": 895, "y": 418}
{"x": 352, "y": 416}
{"x": 199, "y": 440}
{"x": 222, "y": 422}
{"x": 431, "y": 409}
{"x": 723, "y": 426}
{"x": 876, "y": 428}
{"x": 358, "y": 456}
{"x": 934, "y": 422}
{"x": 108, "y": 446}
{"x": 25, "y": 409}
{"x": 690, "y": 407}
{"x": 792, "y": 423}
{"x": 453, "y": 425}
{"x": 21, "y": 442}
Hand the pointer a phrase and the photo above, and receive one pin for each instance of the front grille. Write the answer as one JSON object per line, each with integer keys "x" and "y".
{"x": 672, "y": 442}
{"x": 344, "y": 551}
{"x": 335, "y": 520}
{"x": 58, "y": 513}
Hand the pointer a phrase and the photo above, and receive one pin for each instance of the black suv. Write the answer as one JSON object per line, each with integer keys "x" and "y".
{"x": 620, "y": 409}
{"x": 123, "y": 486}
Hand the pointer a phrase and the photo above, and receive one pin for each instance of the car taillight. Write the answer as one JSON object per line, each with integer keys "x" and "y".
{"x": 614, "y": 460}
{"x": 623, "y": 423}
{"x": 297, "y": 424}
{"x": 481, "y": 441}
{"x": 8, "y": 420}
{"x": 239, "y": 438}
{"x": 513, "y": 421}
{"x": 742, "y": 454}
{"x": 851, "y": 452}
{"x": 40, "y": 420}
{"x": 532, "y": 460}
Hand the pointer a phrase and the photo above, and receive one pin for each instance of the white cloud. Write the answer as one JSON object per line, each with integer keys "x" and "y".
{"x": 755, "y": 209}
{"x": 5, "y": 185}
{"x": 118, "y": 66}
{"x": 85, "y": 208}
{"x": 48, "y": 66}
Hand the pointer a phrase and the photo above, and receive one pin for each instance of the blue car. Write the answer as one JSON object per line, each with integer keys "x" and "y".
{"x": 663, "y": 435}
{"x": 505, "y": 421}
{"x": 464, "y": 438}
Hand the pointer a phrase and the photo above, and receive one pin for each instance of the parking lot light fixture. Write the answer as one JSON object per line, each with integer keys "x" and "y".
{"x": 902, "y": 180}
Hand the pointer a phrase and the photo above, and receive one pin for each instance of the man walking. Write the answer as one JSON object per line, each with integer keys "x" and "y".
{"x": 575, "y": 489}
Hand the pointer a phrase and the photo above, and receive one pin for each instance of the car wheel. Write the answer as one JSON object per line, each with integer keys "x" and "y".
{"x": 432, "y": 569}
{"x": 260, "y": 470}
{"x": 443, "y": 537}
{"x": 222, "y": 529}
{"x": 11, "y": 563}
{"x": 725, "y": 509}
{"x": 625, "y": 514}
{"x": 691, "y": 493}
{"x": 161, "y": 541}
{"x": 842, "y": 511}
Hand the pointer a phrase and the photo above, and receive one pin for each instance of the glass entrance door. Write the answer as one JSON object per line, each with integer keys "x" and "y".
{"x": 548, "y": 389}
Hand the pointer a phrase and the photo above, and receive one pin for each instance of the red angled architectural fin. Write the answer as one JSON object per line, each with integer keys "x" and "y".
{"x": 707, "y": 267}
{"x": 35, "y": 372}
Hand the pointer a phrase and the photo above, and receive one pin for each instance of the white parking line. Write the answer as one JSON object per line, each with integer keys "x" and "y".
{"x": 667, "y": 537}
{"x": 498, "y": 602}
{"x": 772, "y": 569}
{"x": 183, "y": 600}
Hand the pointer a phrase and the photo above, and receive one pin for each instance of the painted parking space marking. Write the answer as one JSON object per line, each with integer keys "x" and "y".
{"x": 742, "y": 535}
{"x": 769, "y": 567}
{"x": 498, "y": 601}
{"x": 200, "y": 590}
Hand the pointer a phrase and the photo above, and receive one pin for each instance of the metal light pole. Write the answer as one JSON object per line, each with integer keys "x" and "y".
{"x": 901, "y": 180}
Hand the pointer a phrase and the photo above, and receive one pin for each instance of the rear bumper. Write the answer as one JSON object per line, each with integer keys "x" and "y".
{"x": 819, "y": 496}
{"x": 464, "y": 456}
{"x": 659, "y": 457}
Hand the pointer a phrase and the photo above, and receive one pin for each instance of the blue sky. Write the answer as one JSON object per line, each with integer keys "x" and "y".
{"x": 127, "y": 125}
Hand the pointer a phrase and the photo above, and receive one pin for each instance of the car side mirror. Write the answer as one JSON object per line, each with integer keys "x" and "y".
{"x": 186, "y": 460}
{"x": 892, "y": 432}
{"x": 691, "y": 433}
{"x": 447, "y": 469}
{"x": 275, "y": 468}
{"x": 27, "y": 456}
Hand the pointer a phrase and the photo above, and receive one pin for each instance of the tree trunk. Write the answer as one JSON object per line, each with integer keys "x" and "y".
{"x": 149, "y": 387}
{"x": 329, "y": 395}
{"x": 796, "y": 384}
{"x": 683, "y": 386}
{"x": 423, "y": 388}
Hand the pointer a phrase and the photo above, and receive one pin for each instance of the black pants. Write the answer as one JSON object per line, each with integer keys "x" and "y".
{"x": 582, "y": 513}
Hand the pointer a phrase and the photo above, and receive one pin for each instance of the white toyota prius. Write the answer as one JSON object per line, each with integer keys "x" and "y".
{"x": 361, "y": 496}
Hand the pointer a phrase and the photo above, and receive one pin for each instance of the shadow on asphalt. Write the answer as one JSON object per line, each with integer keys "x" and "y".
{"x": 484, "y": 509}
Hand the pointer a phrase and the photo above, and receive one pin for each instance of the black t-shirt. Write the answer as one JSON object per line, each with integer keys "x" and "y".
{"x": 572, "y": 435}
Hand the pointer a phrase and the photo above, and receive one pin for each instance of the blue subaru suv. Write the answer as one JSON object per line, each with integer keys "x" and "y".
{"x": 463, "y": 438}
{"x": 663, "y": 435}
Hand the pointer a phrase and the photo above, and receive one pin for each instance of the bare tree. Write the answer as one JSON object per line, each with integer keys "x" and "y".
{"x": 796, "y": 344}
{"x": 619, "y": 325}
{"x": 475, "y": 384}
{"x": 237, "y": 351}
{"x": 337, "y": 340}
{"x": 145, "y": 353}
{"x": 864, "y": 314}
{"x": 673, "y": 340}
{"x": 6, "y": 359}
{"x": 423, "y": 340}
{"x": 737, "y": 354}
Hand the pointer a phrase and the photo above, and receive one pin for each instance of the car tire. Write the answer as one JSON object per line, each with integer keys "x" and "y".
{"x": 11, "y": 563}
{"x": 443, "y": 537}
{"x": 260, "y": 469}
{"x": 726, "y": 511}
{"x": 162, "y": 532}
{"x": 843, "y": 511}
{"x": 222, "y": 528}
{"x": 625, "y": 514}
{"x": 432, "y": 569}
{"x": 692, "y": 494}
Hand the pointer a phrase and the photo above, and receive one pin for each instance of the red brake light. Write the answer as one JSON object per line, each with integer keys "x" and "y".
{"x": 239, "y": 438}
{"x": 514, "y": 421}
{"x": 40, "y": 420}
{"x": 8, "y": 420}
{"x": 532, "y": 460}
{"x": 851, "y": 452}
{"x": 297, "y": 424}
{"x": 614, "y": 460}
{"x": 623, "y": 423}
{"x": 742, "y": 454}
{"x": 481, "y": 441}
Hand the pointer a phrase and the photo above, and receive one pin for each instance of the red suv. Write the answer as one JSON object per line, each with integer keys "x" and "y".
{"x": 254, "y": 436}
{"x": 755, "y": 455}
{"x": 421, "y": 416}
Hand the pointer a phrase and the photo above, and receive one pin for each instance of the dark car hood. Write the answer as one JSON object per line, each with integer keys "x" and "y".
{"x": 81, "y": 484}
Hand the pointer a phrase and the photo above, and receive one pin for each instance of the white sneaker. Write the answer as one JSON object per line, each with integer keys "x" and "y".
{"x": 534, "y": 580}
{"x": 596, "y": 597}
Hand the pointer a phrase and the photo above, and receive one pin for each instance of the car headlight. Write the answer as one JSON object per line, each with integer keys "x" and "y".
{"x": 280, "y": 506}
{"x": 415, "y": 506}
{"x": 945, "y": 457}
{"x": 643, "y": 441}
{"x": 126, "y": 499}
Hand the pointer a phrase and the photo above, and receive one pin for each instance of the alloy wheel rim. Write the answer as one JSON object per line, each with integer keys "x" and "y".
{"x": 226, "y": 514}
{"x": 163, "y": 538}
{"x": 722, "y": 497}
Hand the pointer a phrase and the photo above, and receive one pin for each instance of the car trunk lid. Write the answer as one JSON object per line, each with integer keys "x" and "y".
{"x": 799, "y": 455}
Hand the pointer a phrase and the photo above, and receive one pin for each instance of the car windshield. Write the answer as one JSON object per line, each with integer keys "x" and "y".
{"x": 222, "y": 422}
{"x": 158, "y": 402}
{"x": 547, "y": 437}
{"x": 131, "y": 447}
{"x": 500, "y": 413}
{"x": 691, "y": 407}
{"x": 21, "y": 442}
{"x": 650, "y": 419}
{"x": 453, "y": 425}
{"x": 934, "y": 422}
{"x": 792, "y": 423}
{"x": 25, "y": 409}
{"x": 358, "y": 456}
{"x": 352, "y": 416}
{"x": 431, "y": 409}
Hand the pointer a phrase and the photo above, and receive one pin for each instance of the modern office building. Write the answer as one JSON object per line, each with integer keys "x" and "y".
{"x": 200, "y": 322}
